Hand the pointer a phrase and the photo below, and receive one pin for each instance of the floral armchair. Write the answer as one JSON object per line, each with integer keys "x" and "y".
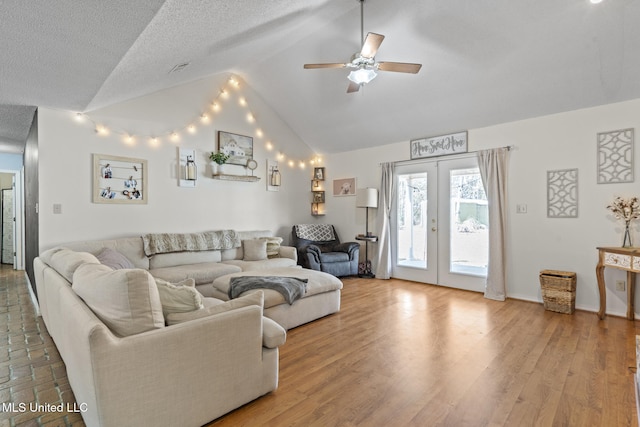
{"x": 319, "y": 248}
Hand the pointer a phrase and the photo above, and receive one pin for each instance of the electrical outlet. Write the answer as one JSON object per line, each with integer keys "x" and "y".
{"x": 620, "y": 285}
{"x": 521, "y": 209}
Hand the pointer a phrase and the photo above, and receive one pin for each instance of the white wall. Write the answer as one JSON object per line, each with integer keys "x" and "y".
{"x": 561, "y": 141}
{"x": 65, "y": 163}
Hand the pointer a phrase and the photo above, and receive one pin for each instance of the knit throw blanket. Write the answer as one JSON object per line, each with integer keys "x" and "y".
{"x": 315, "y": 232}
{"x": 291, "y": 288}
{"x": 160, "y": 243}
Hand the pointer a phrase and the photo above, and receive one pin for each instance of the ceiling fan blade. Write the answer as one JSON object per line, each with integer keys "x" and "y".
{"x": 399, "y": 67}
{"x": 313, "y": 66}
{"x": 353, "y": 87}
{"x": 371, "y": 45}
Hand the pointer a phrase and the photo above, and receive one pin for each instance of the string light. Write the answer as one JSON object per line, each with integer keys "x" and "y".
{"x": 215, "y": 106}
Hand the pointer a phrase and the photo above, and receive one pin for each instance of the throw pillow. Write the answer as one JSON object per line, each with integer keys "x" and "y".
{"x": 253, "y": 298}
{"x": 254, "y": 249}
{"x": 273, "y": 246}
{"x": 114, "y": 259}
{"x": 179, "y": 297}
{"x": 127, "y": 301}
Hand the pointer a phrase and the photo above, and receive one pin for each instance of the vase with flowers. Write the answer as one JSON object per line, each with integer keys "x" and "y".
{"x": 626, "y": 210}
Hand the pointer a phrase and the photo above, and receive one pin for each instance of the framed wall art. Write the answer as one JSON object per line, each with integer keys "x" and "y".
{"x": 562, "y": 193}
{"x": 119, "y": 180}
{"x": 615, "y": 156}
{"x": 239, "y": 148}
{"x": 442, "y": 145}
{"x": 344, "y": 187}
{"x": 318, "y": 174}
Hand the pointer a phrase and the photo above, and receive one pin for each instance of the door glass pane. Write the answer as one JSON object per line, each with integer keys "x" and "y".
{"x": 469, "y": 226}
{"x": 412, "y": 220}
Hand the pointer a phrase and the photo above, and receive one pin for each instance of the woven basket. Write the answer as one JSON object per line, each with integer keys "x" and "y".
{"x": 558, "y": 290}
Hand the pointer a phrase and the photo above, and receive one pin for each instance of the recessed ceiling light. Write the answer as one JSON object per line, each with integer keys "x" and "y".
{"x": 595, "y": 1}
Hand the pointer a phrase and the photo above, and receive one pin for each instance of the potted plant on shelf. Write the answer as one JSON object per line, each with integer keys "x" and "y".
{"x": 219, "y": 159}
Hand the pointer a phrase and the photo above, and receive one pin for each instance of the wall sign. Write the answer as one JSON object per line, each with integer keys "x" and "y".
{"x": 443, "y": 145}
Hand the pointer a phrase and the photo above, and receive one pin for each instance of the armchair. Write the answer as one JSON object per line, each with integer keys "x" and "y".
{"x": 319, "y": 248}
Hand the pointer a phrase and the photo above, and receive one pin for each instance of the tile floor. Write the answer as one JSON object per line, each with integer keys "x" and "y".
{"x": 33, "y": 379}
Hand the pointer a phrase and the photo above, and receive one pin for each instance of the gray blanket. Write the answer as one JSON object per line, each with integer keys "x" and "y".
{"x": 291, "y": 288}
{"x": 160, "y": 243}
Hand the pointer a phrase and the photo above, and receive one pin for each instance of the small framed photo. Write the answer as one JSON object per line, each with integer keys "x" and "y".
{"x": 344, "y": 187}
{"x": 239, "y": 148}
{"x": 318, "y": 197}
{"x": 318, "y": 174}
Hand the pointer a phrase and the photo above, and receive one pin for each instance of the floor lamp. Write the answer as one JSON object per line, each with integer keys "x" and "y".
{"x": 367, "y": 198}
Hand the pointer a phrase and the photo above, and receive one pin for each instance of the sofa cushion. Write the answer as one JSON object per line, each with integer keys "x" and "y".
{"x": 131, "y": 247}
{"x": 327, "y": 257}
{"x": 202, "y": 273}
{"x": 236, "y": 253}
{"x": 318, "y": 282}
{"x": 182, "y": 258}
{"x": 254, "y": 298}
{"x": 254, "y": 249}
{"x": 66, "y": 261}
{"x": 179, "y": 297}
{"x": 114, "y": 259}
{"x": 262, "y": 265}
{"x": 127, "y": 301}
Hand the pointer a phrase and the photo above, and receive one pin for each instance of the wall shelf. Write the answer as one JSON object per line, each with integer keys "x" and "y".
{"x": 245, "y": 178}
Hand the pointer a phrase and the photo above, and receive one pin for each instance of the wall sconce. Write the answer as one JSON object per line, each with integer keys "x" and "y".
{"x": 190, "y": 170}
{"x": 276, "y": 178}
{"x": 187, "y": 170}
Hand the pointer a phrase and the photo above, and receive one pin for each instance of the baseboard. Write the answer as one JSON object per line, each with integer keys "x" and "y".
{"x": 34, "y": 300}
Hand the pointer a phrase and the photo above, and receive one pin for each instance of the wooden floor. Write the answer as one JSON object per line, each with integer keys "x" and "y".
{"x": 397, "y": 354}
{"x": 406, "y": 354}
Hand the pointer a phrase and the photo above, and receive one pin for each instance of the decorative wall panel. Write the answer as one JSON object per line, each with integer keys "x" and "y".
{"x": 615, "y": 156}
{"x": 562, "y": 193}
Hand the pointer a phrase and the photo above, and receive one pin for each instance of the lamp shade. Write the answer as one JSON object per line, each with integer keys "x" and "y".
{"x": 367, "y": 198}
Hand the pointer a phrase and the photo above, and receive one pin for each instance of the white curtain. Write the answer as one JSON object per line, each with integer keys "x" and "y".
{"x": 387, "y": 194}
{"x": 493, "y": 169}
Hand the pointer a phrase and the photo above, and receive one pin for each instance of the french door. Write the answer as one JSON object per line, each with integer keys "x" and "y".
{"x": 440, "y": 224}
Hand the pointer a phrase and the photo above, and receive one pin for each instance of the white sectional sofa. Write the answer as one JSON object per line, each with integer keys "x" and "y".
{"x": 130, "y": 363}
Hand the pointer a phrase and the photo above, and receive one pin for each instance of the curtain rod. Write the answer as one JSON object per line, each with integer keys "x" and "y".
{"x": 447, "y": 156}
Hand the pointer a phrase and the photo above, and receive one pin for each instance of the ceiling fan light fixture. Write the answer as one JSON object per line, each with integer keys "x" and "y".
{"x": 362, "y": 75}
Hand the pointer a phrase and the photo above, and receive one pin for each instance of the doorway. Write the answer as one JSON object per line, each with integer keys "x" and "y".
{"x": 440, "y": 224}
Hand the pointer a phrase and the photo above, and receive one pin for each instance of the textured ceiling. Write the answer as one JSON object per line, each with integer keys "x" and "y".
{"x": 484, "y": 61}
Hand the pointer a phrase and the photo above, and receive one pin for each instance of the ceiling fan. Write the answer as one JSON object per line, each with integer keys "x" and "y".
{"x": 364, "y": 64}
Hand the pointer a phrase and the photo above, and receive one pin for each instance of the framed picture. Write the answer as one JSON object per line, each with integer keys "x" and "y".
{"x": 239, "y": 148}
{"x": 344, "y": 187}
{"x": 318, "y": 197}
{"x": 454, "y": 143}
{"x": 119, "y": 180}
{"x": 318, "y": 174}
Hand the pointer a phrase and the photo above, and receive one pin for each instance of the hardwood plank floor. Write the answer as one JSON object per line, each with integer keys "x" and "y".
{"x": 401, "y": 353}
{"x": 397, "y": 354}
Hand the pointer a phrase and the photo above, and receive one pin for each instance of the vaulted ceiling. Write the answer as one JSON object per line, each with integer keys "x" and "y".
{"x": 484, "y": 61}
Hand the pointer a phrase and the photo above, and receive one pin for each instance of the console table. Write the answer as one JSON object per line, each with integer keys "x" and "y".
{"x": 627, "y": 259}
